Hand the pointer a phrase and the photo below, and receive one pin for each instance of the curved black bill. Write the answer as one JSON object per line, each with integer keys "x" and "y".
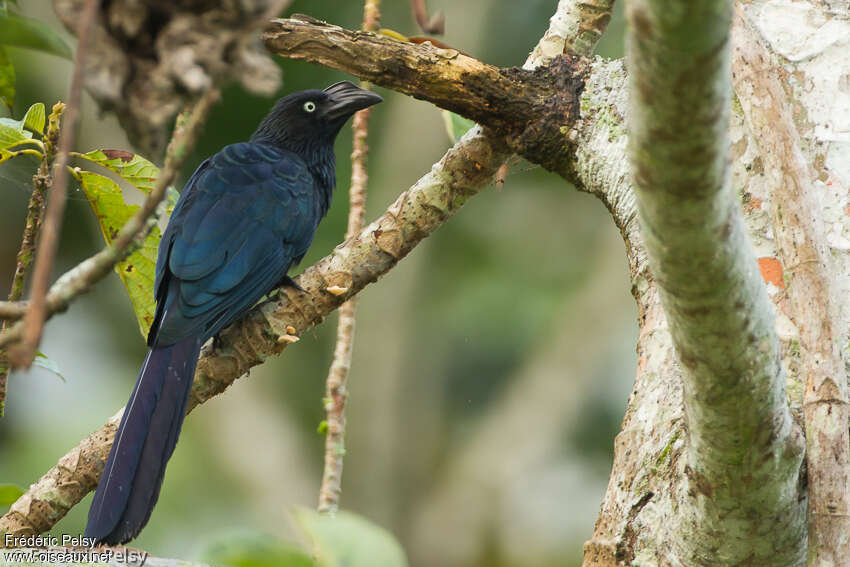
{"x": 345, "y": 99}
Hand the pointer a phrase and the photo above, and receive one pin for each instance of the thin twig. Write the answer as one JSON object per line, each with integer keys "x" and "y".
{"x": 80, "y": 278}
{"x": 42, "y": 180}
{"x": 434, "y": 25}
{"x": 23, "y": 354}
{"x": 336, "y": 390}
{"x": 803, "y": 251}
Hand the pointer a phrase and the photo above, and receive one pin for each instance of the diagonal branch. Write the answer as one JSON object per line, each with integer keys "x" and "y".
{"x": 803, "y": 253}
{"x": 359, "y": 261}
{"x": 743, "y": 453}
{"x": 459, "y": 175}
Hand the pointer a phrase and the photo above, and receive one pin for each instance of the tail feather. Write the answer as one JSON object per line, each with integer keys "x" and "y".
{"x": 130, "y": 483}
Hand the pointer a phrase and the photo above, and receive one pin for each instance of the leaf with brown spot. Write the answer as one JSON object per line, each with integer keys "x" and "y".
{"x": 138, "y": 269}
{"x": 137, "y": 170}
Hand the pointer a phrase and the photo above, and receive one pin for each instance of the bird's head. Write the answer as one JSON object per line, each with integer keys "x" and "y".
{"x": 306, "y": 120}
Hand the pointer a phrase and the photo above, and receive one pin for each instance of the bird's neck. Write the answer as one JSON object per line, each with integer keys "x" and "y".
{"x": 319, "y": 158}
{"x": 322, "y": 165}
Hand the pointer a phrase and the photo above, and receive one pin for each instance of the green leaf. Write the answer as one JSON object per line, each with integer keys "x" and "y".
{"x": 254, "y": 550}
{"x": 12, "y": 132}
{"x": 349, "y": 540}
{"x": 44, "y": 362}
{"x": 132, "y": 167}
{"x": 137, "y": 270}
{"x": 19, "y": 31}
{"x": 9, "y": 493}
{"x": 7, "y": 79}
{"x": 456, "y": 125}
{"x": 35, "y": 117}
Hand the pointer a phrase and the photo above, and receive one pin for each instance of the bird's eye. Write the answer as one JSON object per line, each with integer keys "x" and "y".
{"x": 310, "y": 106}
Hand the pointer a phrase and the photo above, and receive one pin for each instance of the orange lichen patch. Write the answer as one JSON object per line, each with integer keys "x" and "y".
{"x": 771, "y": 271}
{"x": 847, "y": 210}
{"x": 752, "y": 204}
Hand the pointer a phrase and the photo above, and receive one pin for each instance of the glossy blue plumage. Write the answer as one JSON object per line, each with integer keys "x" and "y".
{"x": 246, "y": 215}
{"x": 244, "y": 218}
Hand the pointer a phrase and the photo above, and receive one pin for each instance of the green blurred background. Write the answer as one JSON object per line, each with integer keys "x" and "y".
{"x": 491, "y": 367}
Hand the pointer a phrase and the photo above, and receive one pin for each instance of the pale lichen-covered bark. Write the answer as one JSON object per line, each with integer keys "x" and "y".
{"x": 798, "y": 229}
{"x": 742, "y": 451}
{"x": 576, "y": 26}
{"x": 645, "y": 491}
{"x": 658, "y": 489}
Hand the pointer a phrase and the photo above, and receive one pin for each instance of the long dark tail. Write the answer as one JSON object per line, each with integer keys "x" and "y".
{"x": 129, "y": 485}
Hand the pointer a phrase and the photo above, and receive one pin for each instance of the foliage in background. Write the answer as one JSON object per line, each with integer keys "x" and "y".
{"x": 18, "y": 31}
{"x": 342, "y": 540}
{"x": 137, "y": 271}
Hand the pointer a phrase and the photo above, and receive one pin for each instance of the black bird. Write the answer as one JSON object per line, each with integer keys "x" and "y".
{"x": 246, "y": 216}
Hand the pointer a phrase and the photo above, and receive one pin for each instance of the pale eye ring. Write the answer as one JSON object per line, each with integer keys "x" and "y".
{"x": 310, "y": 106}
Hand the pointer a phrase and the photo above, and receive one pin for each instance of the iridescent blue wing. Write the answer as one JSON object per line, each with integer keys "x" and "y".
{"x": 244, "y": 216}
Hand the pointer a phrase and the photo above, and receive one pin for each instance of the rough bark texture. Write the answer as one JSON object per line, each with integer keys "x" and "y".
{"x": 803, "y": 253}
{"x": 576, "y": 27}
{"x": 643, "y": 493}
{"x": 742, "y": 451}
{"x": 533, "y": 109}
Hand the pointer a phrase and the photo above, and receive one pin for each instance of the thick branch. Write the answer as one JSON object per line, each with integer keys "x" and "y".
{"x": 533, "y": 109}
{"x": 462, "y": 172}
{"x": 803, "y": 253}
{"x": 743, "y": 454}
{"x": 467, "y": 167}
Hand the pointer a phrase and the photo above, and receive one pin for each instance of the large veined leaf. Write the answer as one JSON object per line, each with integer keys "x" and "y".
{"x": 132, "y": 167}
{"x": 7, "y": 79}
{"x": 19, "y": 31}
{"x": 348, "y": 540}
{"x": 137, "y": 271}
